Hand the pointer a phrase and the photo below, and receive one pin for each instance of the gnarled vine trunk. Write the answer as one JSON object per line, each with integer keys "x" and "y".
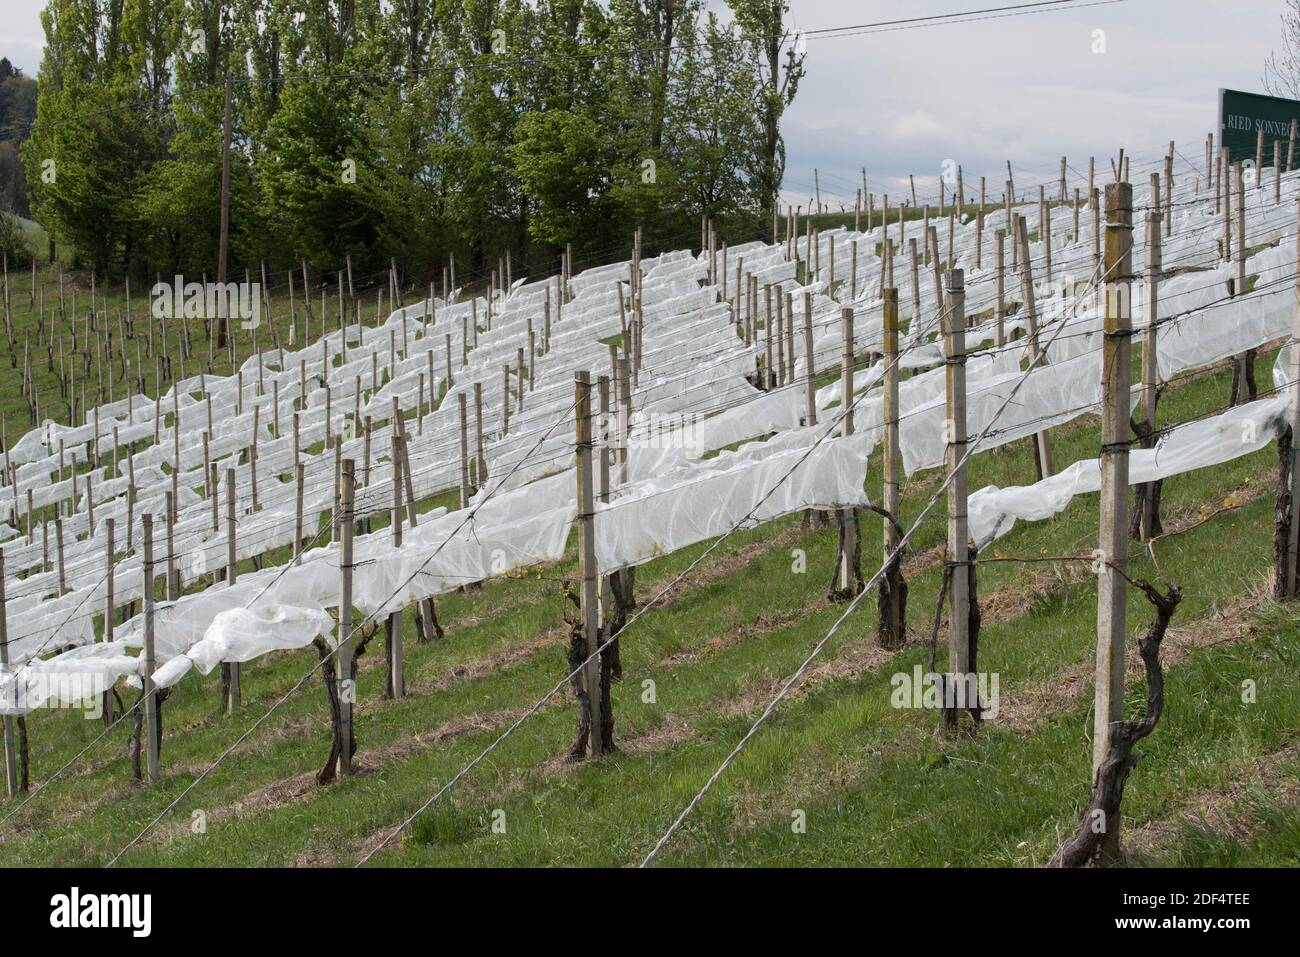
{"x": 1103, "y": 811}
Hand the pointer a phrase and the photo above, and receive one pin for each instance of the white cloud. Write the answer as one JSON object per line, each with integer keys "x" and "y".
{"x": 1025, "y": 89}
{"x": 917, "y": 124}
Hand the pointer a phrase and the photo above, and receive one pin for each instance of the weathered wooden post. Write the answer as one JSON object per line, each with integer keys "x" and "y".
{"x": 1227, "y": 205}
{"x": 427, "y": 614}
{"x": 1112, "y": 544}
{"x": 150, "y": 658}
{"x": 769, "y": 375}
{"x": 1147, "y": 498}
{"x": 848, "y": 564}
{"x": 1289, "y": 586}
{"x": 110, "y": 610}
{"x": 1259, "y": 157}
{"x": 480, "y": 461}
{"x": 789, "y": 337}
{"x": 464, "y": 448}
{"x": 1042, "y": 445}
{"x": 780, "y": 337}
{"x": 519, "y": 378}
{"x": 230, "y": 669}
{"x": 11, "y": 751}
{"x": 916, "y": 287}
{"x": 810, "y": 366}
{"x": 347, "y": 685}
{"x": 587, "y": 562}
{"x": 1277, "y": 171}
{"x": 892, "y": 596}
{"x": 505, "y": 399}
{"x": 1243, "y": 375}
{"x": 173, "y": 576}
{"x": 954, "y": 343}
{"x": 396, "y": 680}
{"x": 999, "y": 289}
{"x": 1094, "y": 203}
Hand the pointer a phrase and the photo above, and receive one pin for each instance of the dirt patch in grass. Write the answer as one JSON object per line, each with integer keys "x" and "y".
{"x": 1026, "y": 711}
{"x": 68, "y": 810}
{"x": 1224, "y": 810}
{"x": 476, "y": 668}
{"x": 302, "y": 787}
{"x": 725, "y": 565}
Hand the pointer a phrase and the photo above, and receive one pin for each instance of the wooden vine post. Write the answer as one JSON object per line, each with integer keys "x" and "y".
{"x": 1288, "y": 588}
{"x": 892, "y": 597}
{"x": 230, "y": 669}
{"x": 347, "y": 685}
{"x": 590, "y": 604}
{"x": 1243, "y": 369}
{"x": 11, "y": 751}
{"x": 1112, "y": 544}
{"x": 110, "y": 610}
{"x": 396, "y": 682}
{"x": 958, "y": 548}
{"x": 150, "y": 661}
{"x": 848, "y": 565}
{"x": 810, "y": 365}
{"x": 1042, "y": 444}
{"x": 1146, "y": 521}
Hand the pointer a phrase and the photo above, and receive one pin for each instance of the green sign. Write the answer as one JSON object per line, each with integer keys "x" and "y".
{"x": 1243, "y": 115}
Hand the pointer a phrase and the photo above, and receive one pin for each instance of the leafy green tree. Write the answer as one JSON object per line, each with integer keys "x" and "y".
{"x": 408, "y": 130}
{"x": 17, "y": 111}
{"x": 310, "y": 174}
{"x": 762, "y": 25}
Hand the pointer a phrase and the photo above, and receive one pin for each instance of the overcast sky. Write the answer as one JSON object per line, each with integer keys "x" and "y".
{"x": 1027, "y": 88}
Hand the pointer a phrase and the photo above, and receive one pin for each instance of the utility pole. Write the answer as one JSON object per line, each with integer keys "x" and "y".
{"x": 222, "y": 311}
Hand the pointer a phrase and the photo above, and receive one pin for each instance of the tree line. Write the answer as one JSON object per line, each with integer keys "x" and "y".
{"x": 406, "y": 130}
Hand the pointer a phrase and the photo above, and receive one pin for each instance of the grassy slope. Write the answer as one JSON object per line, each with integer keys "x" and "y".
{"x": 878, "y": 785}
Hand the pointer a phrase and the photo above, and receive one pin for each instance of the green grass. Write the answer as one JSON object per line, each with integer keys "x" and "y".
{"x": 877, "y": 785}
